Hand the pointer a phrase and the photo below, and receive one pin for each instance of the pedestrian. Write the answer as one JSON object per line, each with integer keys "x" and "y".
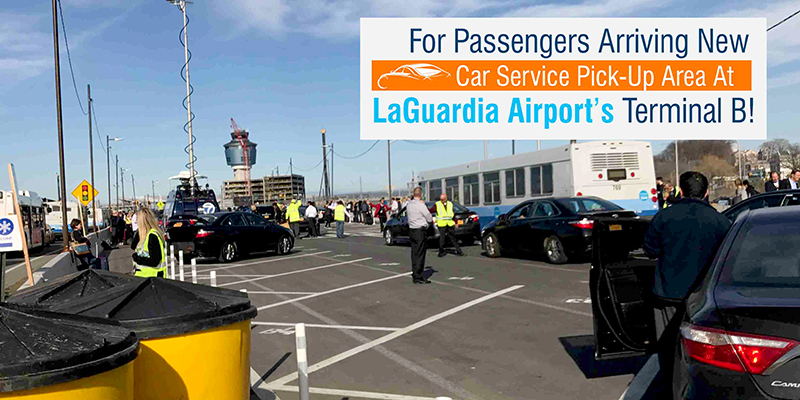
{"x": 774, "y": 183}
{"x": 84, "y": 254}
{"x": 121, "y": 227}
{"x": 349, "y": 208}
{"x": 793, "y": 181}
{"x": 684, "y": 238}
{"x": 446, "y": 225}
{"x": 383, "y": 209}
{"x": 751, "y": 191}
{"x": 660, "y": 192}
{"x": 395, "y": 206}
{"x": 339, "y": 214}
{"x": 741, "y": 191}
{"x": 149, "y": 259}
{"x": 671, "y": 194}
{"x": 329, "y": 217}
{"x": 311, "y": 217}
{"x": 419, "y": 218}
{"x": 293, "y": 216}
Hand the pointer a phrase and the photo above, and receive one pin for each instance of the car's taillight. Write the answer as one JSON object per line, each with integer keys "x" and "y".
{"x": 203, "y": 233}
{"x": 733, "y": 350}
{"x": 192, "y": 222}
{"x": 583, "y": 224}
{"x": 473, "y": 218}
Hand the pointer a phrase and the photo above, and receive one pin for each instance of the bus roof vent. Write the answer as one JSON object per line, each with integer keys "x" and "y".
{"x": 603, "y": 161}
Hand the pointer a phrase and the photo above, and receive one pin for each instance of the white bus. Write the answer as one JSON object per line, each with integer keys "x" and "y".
{"x": 54, "y": 216}
{"x": 619, "y": 171}
{"x": 33, "y": 215}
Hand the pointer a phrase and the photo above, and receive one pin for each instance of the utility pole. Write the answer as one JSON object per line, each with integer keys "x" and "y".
{"x": 108, "y": 170}
{"x": 485, "y": 150}
{"x": 389, "y": 164}
{"x": 62, "y": 178}
{"x": 538, "y": 144}
{"x": 58, "y": 186}
{"x": 116, "y": 184}
{"x": 122, "y": 182}
{"x": 154, "y": 188}
{"x": 360, "y": 188}
{"x": 332, "y": 170}
{"x": 325, "y": 167}
{"x": 91, "y": 156}
{"x": 677, "y": 176}
{"x": 133, "y": 183}
{"x": 512, "y": 148}
{"x": 291, "y": 177}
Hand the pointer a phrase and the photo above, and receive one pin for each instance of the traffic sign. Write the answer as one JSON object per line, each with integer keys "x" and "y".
{"x": 160, "y": 205}
{"x": 85, "y": 193}
{"x": 10, "y": 236}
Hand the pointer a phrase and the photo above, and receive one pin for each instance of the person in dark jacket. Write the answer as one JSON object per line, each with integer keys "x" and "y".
{"x": 792, "y": 182}
{"x": 774, "y": 183}
{"x": 660, "y": 192}
{"x": 684, "y": 238}
{"x": 76, "y": 236}
{"x": 751, "y": 191}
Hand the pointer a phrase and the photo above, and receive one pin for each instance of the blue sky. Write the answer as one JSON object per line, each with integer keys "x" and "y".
{"x": 282, "y": 69}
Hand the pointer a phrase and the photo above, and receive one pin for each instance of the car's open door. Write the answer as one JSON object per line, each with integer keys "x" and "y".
{"x": 621, "y": 283}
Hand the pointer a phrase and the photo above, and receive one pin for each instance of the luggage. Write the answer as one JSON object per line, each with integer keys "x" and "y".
{"x": 369, "y": 220}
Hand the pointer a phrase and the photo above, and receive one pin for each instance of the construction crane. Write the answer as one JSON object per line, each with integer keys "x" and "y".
{"x": 242, "y": 136}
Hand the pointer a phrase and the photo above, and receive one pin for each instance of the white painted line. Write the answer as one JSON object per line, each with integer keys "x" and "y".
{"x": 341, "y": 255}
{"x": 332, "y": 291}
{"x": 390, "y": 263}
{"x": 521, "y": 300}
{"x": 297, "y": 293}
{"x": 354, "y": 328}
{"x": 302, "y": 360}
{"x": 255, "y": 381}
{"x": 377, "y": 342}
{"x": 294, "y": 272}
{"x": 32, "y": 260}
{"x": 229, "y": 266}
{"x": 354, "y": 394}
{"x": 233, "y": 276}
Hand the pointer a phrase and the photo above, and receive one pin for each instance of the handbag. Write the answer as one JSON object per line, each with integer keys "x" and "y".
{"x": 80, "y": 249}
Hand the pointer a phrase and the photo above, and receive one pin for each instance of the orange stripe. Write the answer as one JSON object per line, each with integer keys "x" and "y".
{"x": 686, "y": 75}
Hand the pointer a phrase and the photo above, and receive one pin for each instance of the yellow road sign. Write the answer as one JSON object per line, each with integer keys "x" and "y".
{"x": 160, "y": 205}
{"x": 85, "y": 193}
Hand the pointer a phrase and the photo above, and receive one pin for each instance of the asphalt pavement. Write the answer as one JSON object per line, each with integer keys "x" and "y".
{"x": 489, "y": 329}
{"x": 16, "y": 273}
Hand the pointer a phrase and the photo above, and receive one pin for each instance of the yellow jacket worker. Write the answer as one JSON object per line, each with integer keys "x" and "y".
{"x": 338, "y": 216}
{"x": 293, "y": 216}
{"x": 446, "y": 224}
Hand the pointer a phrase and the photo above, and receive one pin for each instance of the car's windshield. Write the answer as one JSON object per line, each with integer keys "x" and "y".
{"x": 764, "y": 255}
{"x": 580, "y": 206}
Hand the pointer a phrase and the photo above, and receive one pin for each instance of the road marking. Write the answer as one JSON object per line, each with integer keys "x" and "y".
{"x": 293, "y": 272}
{"x": 229, "y": 266}
{"x": 521, "y": 300}
{"x": 332, "y": 290}
{"x": 58, "y": 250}
{"x": 231, "y": 276}
{"x": 341, "y": 255}
{"x": 586, "y": 300}
{"x": 265, "y": 292}
{"x": 390, "y": 264}
{"x": 255, "y": 381}
{"x": 460, "y": 278}
{"x": 366, "y": 346}
{"x": 354, "y": 394}
{"x": 354, "y": 328}
{"x": 284, "y": 331}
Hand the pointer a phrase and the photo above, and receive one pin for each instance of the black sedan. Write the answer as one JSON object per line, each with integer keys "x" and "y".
{"x": 268, "y": 212}
{"x": 559, "y": 228}
{"x": 467, "y": 226}
{"x": 740, "y": 335}
{"x": 780, "y": 198}
{"x": 227, "y": 236}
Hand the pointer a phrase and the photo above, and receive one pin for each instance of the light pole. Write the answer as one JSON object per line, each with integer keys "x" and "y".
{"x": 116, "y": 183}
{"x": 182, "y": 6}
{"x": 122, "y": 182}
{"x": 108, "y": 165}
{"x": 91, "y": 156}
{"x": 389, "y": 164}
{"x": 133, "y": 184}
{"x": 153, "y": 182}
{"x": 62, "y": 183}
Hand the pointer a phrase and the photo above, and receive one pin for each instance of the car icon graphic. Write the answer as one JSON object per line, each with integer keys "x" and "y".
{"x": 414, "y": 71}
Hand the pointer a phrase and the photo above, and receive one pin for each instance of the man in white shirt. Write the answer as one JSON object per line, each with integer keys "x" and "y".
{"x": 135, "y": 222}
{"x": 311, "y": 217}
{"x": 395, "y": 206}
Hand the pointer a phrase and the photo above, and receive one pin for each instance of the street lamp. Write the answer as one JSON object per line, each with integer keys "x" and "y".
{"x": 122, "y": 182}
{"x": 153, "y": 182}
{"x": 108, "y": 165}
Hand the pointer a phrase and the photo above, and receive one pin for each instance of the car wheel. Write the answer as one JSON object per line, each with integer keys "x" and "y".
{"x": 388, "y": 237}
{"x": 228, "y": 252}
{"x": 492, "y": 246}
{"x": 467, "y": 241}
{"x": 284, "y": 245}
{"x": 554, "y": 250}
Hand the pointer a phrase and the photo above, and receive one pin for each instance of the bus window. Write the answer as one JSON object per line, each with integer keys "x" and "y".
{"x": 472, "y": 195}
{"x": 491, "y": 188}
{"x": 542, "y": 180}
{"x": 435, "y": 190}
{"x": 451, "y": 188}
{"x": 515, "y": 182}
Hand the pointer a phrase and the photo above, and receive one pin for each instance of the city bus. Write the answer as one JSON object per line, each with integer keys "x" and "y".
{"x": 33, "y": 215}
{"x": 619, "y": 171}
{"x": 54, "y": 216}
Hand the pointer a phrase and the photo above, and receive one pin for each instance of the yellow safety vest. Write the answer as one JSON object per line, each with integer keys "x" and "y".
{"x": 444, "y": 214}
{"x": 142, "y": 250}
{"x": 338, "y": 213}
{"x": 293, "y": 212}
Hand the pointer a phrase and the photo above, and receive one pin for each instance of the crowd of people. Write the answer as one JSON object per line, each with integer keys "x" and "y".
{"x": 667, "y": 193}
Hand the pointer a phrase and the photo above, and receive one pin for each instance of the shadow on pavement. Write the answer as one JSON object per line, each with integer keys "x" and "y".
{"x": 581, "y": 349}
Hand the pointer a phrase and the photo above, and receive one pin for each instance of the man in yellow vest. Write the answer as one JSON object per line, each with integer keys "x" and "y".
{"x": 293, "y": 215}
{"x": 338, "y": 216}
{"x": 446, "y": 225}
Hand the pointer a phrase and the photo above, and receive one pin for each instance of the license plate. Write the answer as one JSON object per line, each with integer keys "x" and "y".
{"x": 178, "y": 225}
{"x": 615, "y": 227}
{"x": 459, "y": 223}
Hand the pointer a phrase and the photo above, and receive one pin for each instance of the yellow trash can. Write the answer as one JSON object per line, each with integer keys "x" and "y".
{"x": 64, "y": 358}
{"x": 195, "y": 339}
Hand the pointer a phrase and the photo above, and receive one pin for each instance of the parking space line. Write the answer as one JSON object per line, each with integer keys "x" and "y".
{"x": 332, "y": 290}
{"x": 265, "y": 292}
{"x": 355, "y": 328}
{"x": 353, "y": 394}
{"x": 293, "y": 272}
{"x": 229, "y": 266}
{"x": 366, "y": 346}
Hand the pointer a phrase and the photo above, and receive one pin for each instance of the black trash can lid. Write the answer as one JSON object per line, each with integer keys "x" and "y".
{"x": 38, "y": 351}
{"x": 151, "y": 307}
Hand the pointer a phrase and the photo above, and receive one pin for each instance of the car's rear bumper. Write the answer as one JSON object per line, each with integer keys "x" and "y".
{"x": 709, "y": 382}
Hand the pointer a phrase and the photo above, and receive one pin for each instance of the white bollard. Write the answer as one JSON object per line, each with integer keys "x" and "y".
{"x": 194, "y": 271}
{"x": 180, "y": 264}
{"x": 172, "y": 261}
{"x": 302, "y": 360}
{"x": 213, "y": 278}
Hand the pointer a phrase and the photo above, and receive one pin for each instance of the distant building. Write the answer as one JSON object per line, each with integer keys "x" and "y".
{"x": 265, "y": 190}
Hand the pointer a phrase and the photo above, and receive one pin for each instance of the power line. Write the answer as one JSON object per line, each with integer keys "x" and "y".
{"x": 307, "y": 169}
{"x": 354, "y": 157}
{"x": 69, "y": 58}
{"x": 784, "y": 20}
{"x": 96, "y": 128}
